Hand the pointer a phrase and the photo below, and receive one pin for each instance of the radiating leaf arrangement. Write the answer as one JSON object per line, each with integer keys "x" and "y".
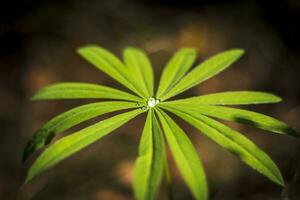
{"x": 136, "y": 74}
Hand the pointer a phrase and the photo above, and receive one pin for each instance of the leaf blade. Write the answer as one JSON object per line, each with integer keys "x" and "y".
{"x": 76, "y": 90}
{"x": 236, "y": 143}
{"x": 242, "y": 116}
{"x": 176, "y": 68}
{"x": 231, "y": 98}
{"x": 68, "y": 119}
{"x": 149, "y": 164}
{"x": 109, "y": 64}
{"x": 185, "y": 156}
{"x": 204, "y": 71}
{"x": 140, "y": 67}
{"x": 75, "y": 142}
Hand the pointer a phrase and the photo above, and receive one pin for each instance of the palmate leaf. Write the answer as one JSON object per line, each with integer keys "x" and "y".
{"x": 140, "y": 68}
{"x": 111, "y": 65}
{"x": 71, "y": 118}
{"x": 230, "y": 98}
{"x": 176, "y": 68}
{"x": 238, "y": 115}
{"x": 185, "y": 156}
{"x": 136, "y": 73}
{"x": 234, "y": 142}
{"x": 77, "y": 141}
{"x": 204, "y": 71}
{"x": 149, "y": 164}
{"x": 82, "y": 91}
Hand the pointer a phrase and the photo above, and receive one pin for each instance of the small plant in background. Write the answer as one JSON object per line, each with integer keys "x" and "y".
{"x": 152, "y": 164}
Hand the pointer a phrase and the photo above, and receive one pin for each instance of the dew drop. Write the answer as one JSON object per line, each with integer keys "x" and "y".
{"x": 152, "y": 102}
{"x": 144, "y": 108}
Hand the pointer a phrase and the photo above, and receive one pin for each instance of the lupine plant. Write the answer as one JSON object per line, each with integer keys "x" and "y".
{"x": 136, "y": 73}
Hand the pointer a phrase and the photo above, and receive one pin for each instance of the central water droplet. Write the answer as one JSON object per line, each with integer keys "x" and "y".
{"x": 152, "y": 102}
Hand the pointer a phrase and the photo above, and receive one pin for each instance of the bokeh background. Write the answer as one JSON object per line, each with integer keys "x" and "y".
{"x": 38, "y": 39}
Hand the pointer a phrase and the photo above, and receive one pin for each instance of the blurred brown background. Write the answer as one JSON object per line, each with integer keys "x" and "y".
{"x": 38, "y": 39}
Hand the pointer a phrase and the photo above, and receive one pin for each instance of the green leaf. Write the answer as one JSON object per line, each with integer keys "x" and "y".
{"x": 185, "y": 156}
{"x": 230, "y": 98}
{"x": 77, "y": 141}
{"x": 71, "y": 118}
{"x": 234, "y": 142}
{"x": 140, "y": 68}
{"x": 149, "y": 164}
{"x": 109, "y": 64}
{"x": 238, "y": 115}
{"x": 204, "y": 71}
{"x": 176, "y": 68}
{"x": 82, "y": 91}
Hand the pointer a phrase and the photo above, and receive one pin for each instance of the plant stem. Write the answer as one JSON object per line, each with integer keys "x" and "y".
{"x": 167, "y": 178}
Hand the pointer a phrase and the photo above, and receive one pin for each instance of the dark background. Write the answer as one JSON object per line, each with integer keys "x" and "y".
{"x": 38, "y": 39}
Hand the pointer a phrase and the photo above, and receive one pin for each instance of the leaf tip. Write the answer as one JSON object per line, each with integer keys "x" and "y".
{"x": 130, "y": 48}
{"x": 29, "y": 149}
{"x": 83, "y": 49}
{"x": 280, "y": 181}
{"x": 28, "y": 178}
{"x": 238, "y": 52}
{"x": 39, "y": 95}
{"x": 34, "y": 97}
{"x": 188, "y": 49}
{"x": 277, "y": 98}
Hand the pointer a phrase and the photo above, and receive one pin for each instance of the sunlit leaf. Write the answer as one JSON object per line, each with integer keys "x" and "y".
{"x": 82, "y": 91}
{"x": 136, "y": 74}
{"x": 149, "y": 164}
{"x": 140, "y": 69}
{"x": 240, "y": 116}
{"x": 176, "y": 68}
{"x": 109, "y": 64}
{"x": 236, "y": 143}
{"x": 70, "y": 118}
{"x": 69, "y": 145}
{"x": 204, "y": 71}
{"x": 230, "y": 98}
{"x": 185, "y": 156}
